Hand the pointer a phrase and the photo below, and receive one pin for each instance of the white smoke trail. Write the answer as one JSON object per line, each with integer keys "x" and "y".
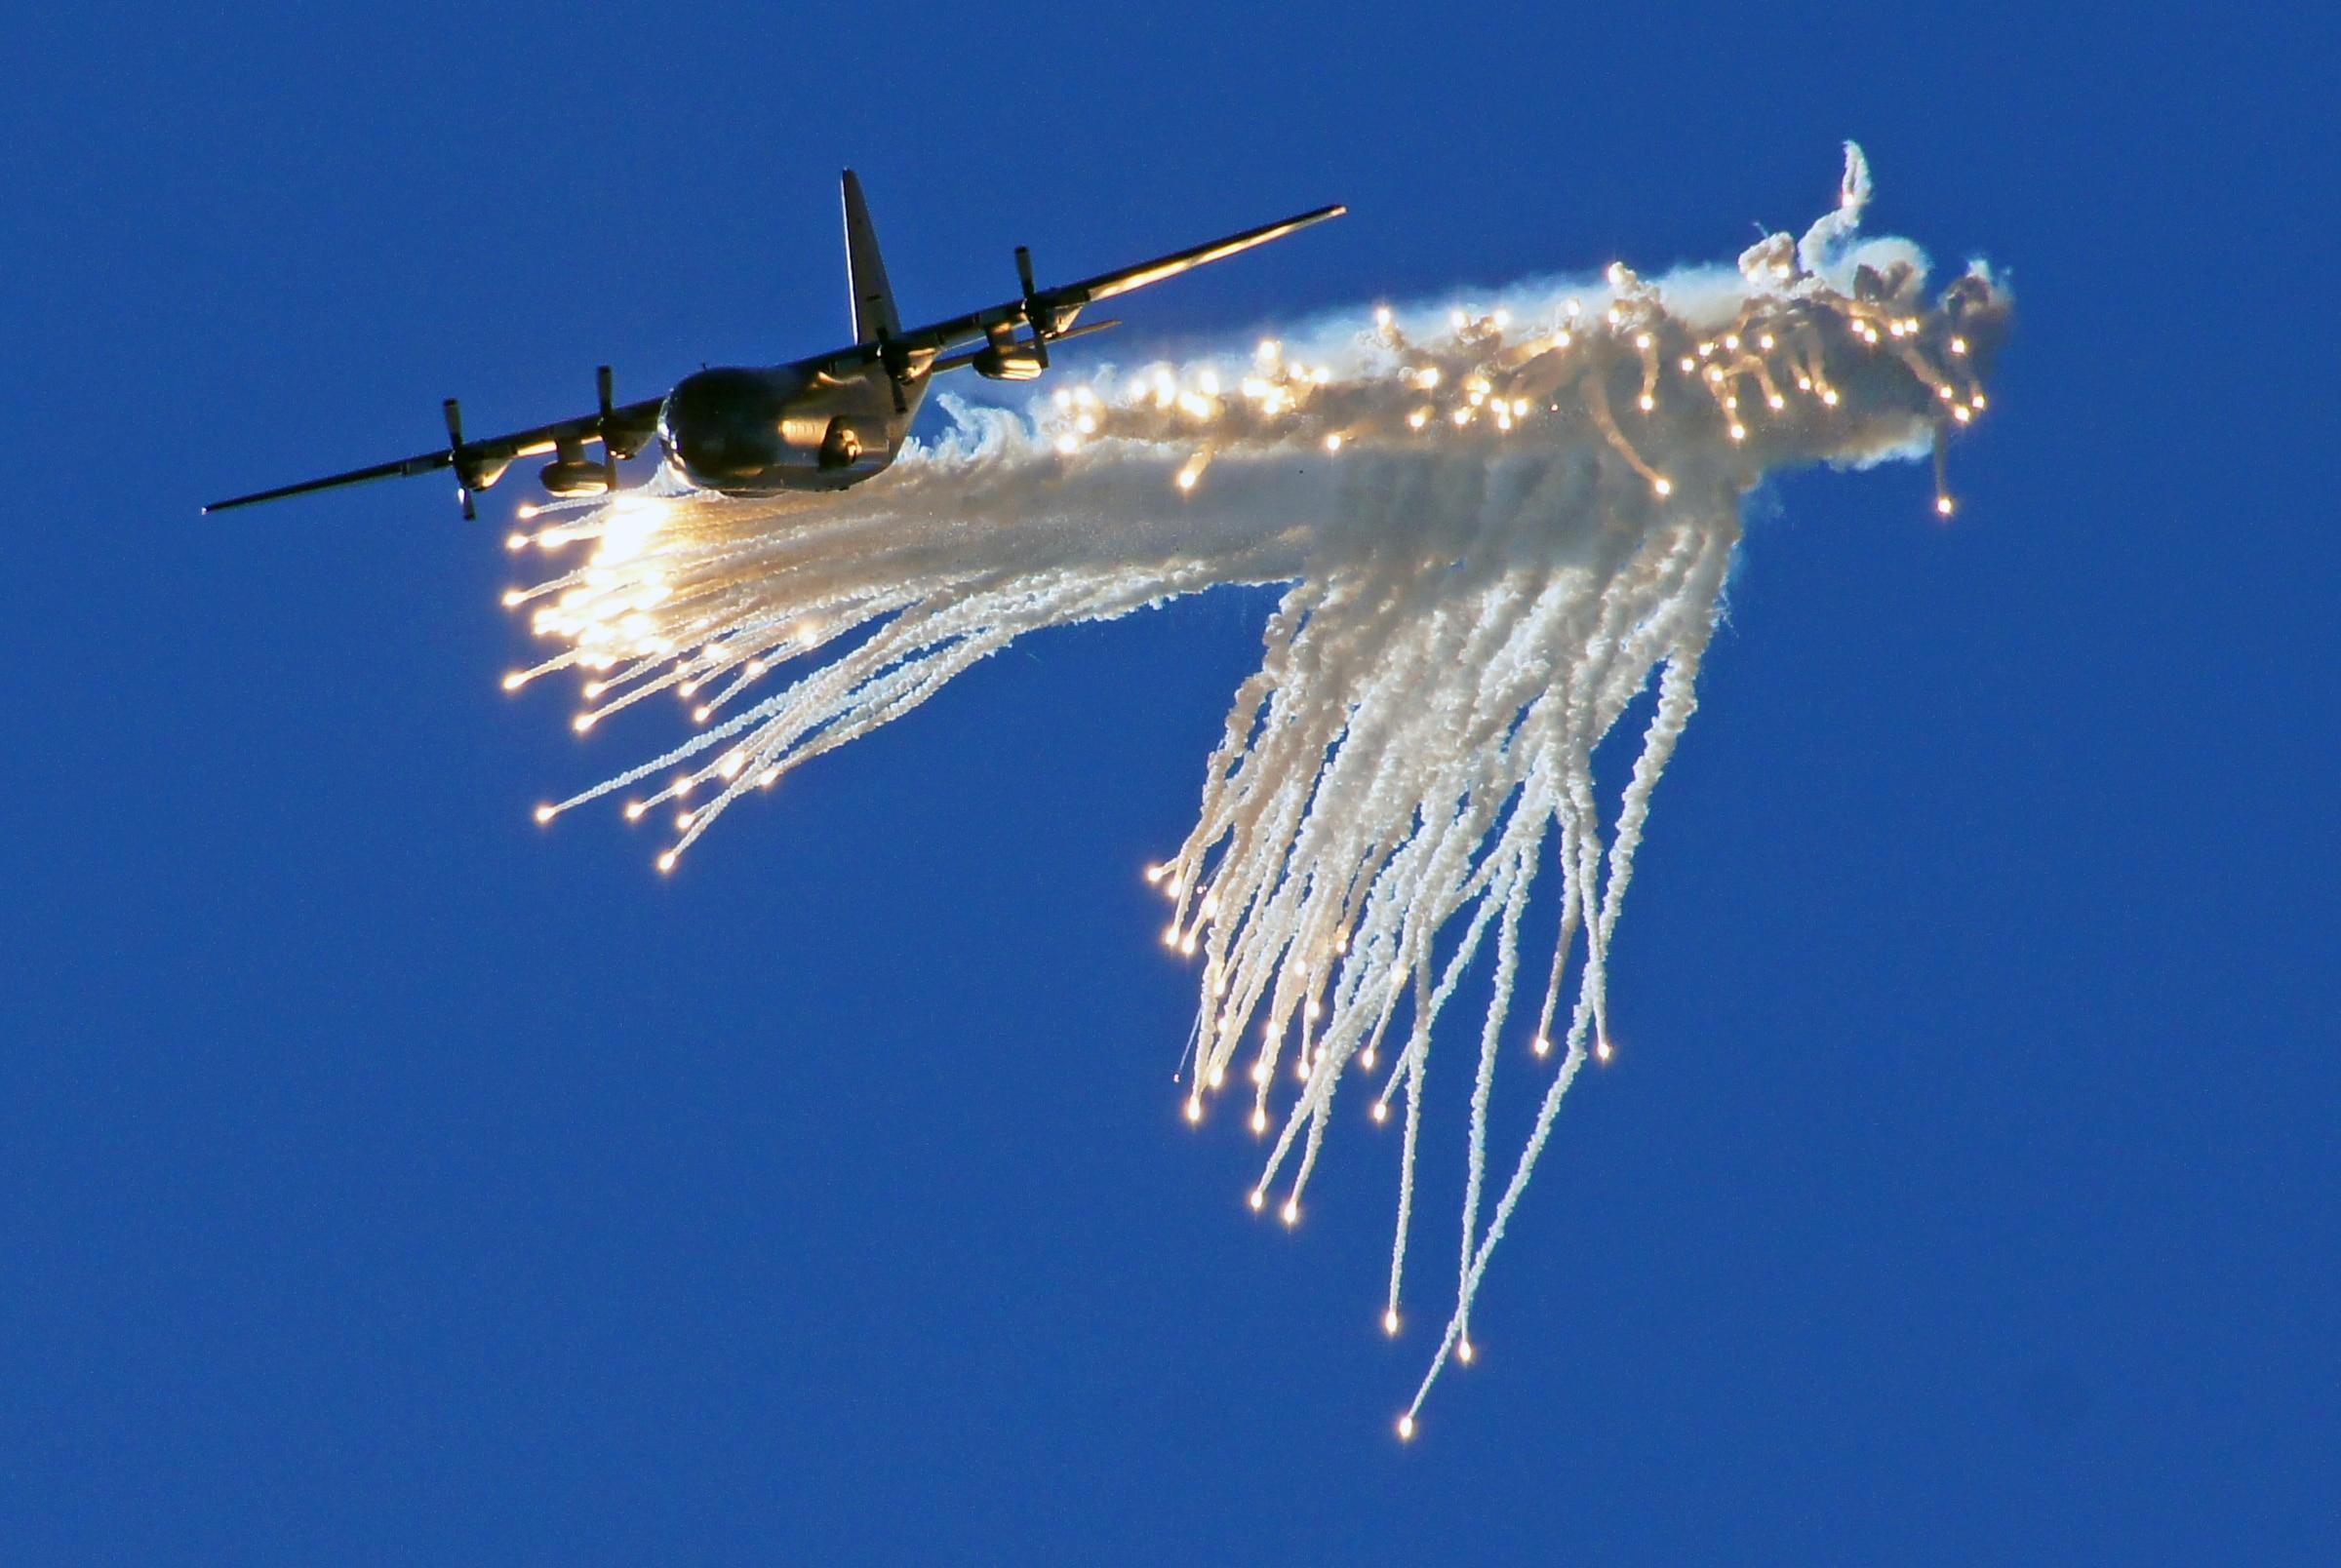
{"x": 1493, "y": 527}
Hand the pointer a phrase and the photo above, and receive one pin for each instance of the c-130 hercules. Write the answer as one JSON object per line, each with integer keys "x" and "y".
{"x": 813, "y": 424}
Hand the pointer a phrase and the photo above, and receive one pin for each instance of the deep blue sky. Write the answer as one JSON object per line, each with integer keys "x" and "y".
{"x": 384, "y": 1179}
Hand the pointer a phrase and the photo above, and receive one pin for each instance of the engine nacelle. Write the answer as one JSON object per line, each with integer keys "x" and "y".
{"x": 478, "y": 473}
{"x": 1008, "y": 362}
{"x": 574, "y": 475}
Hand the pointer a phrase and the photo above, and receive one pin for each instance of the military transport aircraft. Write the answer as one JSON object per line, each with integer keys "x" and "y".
{"x": 818, "y": 423}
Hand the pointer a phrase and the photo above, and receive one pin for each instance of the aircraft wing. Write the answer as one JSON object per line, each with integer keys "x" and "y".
{"x": 1049, "y": 312}
{"x": 479, "y": 462}
{"x": 1107, "y": 284}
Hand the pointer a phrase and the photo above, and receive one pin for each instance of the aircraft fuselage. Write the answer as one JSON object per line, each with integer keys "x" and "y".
{"x": 788, "y": 427}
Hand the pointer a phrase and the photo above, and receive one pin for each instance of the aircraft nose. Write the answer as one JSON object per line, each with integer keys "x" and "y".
{"x": 716, "y": 428}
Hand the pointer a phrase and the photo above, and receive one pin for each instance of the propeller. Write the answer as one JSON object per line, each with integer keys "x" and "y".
{"x": 604, "y": 383}
{"x": 454, "y": 453}
{"x": 905, "y": 363}
{"x": 1035, "y": 317}
{"x": 897, "y": 360}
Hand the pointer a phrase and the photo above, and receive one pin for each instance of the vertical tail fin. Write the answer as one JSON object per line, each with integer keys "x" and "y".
{"x": 873, "y": 300}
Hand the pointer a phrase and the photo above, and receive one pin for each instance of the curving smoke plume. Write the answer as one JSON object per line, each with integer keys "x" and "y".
{"x": 1496, "y": 527}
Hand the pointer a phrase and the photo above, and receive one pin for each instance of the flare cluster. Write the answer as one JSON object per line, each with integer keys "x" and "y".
{"x": 1500, "y": 526}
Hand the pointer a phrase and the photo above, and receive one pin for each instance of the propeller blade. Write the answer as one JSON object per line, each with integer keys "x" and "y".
{"x": 454, "y": 451}
{"x": 605, "y": 383}
{"x": 1032, "y": 314}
